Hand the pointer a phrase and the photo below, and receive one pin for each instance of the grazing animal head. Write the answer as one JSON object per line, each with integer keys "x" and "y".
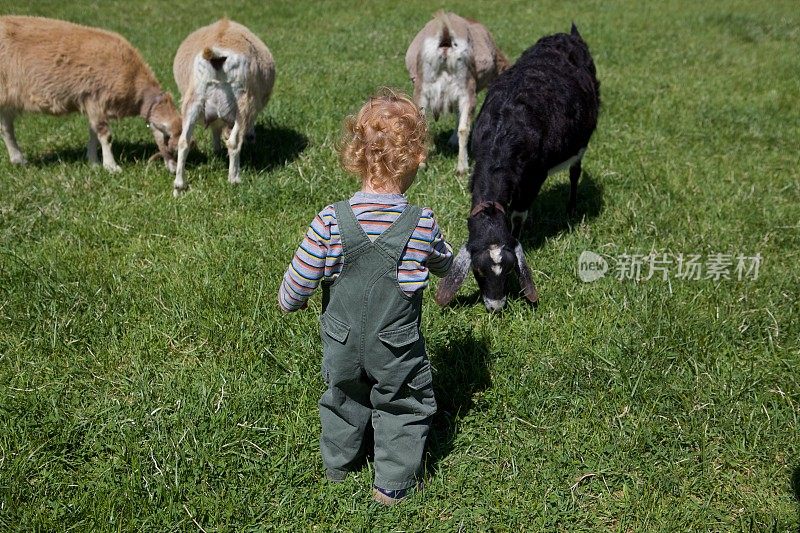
{"x": 165, "y": 122}
{"x": 492, "y": 253}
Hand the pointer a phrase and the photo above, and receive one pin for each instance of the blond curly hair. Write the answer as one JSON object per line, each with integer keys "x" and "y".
{"x": 385, "y": 141}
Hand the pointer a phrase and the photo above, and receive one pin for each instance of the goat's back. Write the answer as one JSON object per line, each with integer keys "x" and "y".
{"x": 54, "y": 66}
{"x": 227, "y": 38}
{"x": 544, "y": 108}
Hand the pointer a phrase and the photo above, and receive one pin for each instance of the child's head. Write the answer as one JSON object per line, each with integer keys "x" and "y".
{"x": 385, "y": 142}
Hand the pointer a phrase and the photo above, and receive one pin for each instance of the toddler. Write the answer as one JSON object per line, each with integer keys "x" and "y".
{"x": 373, "y": 254}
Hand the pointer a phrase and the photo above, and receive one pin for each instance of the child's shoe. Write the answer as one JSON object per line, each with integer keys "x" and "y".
{"x": 392, "y": 496}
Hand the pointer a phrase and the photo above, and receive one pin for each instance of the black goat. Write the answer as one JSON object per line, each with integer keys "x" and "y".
{"x": 537, "y": 119}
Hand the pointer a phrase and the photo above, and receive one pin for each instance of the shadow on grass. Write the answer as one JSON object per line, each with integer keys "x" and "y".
{"x": 274, "y": 146}
{"x": 548, "y": 216}
{"x": 796, "y": 492}
{"x": 125, "y": 153}
{"x": 442, "y": 142}
{"x": 462, "y": 370}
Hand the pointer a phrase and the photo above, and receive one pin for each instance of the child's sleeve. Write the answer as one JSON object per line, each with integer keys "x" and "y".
{"x": 441, "y": 255}
{"x": 307, "y": 266}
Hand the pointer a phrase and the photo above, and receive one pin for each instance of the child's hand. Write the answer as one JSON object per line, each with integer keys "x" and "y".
{"x": 287, "y": 311}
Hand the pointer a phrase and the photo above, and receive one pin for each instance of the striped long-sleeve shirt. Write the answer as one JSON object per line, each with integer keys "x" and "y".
{"x": 320, "y": 253}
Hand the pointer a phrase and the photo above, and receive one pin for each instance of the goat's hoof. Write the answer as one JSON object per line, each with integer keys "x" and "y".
{"x": 572, "y": 212}
{"x": 19, "y": 160}
{"x": 179, "y": 188}
{"x": 114, "y": 169}
{"x": 461, "y": 171}
{"x": 236, "y": 180}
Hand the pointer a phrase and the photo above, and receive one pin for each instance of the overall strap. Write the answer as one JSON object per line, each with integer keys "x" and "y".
{"x": 393, "y": 241}
{"x": 352, "y": 235}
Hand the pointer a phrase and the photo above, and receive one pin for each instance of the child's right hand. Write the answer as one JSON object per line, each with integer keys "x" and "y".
{"x": 287, "y": 311}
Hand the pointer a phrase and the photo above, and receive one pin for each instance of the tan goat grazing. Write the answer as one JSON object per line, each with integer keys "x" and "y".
{"x": 56, "y": 67}
{"x": 225, "y": 75}
{"x": 451, "y": 60}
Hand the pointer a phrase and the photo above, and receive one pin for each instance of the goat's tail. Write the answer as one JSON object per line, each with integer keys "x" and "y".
{"x": 445, "y": 29}
{"x": 215, "y": 60}
{"x": 574, "y": 30}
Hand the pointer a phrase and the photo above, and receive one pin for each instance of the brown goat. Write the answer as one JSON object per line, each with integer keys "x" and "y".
{"x": 225, "y": 74}
{"x": 57, "y": 67}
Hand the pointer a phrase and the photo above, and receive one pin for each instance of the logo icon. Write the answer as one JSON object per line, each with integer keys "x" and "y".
{"x": 591, "y": 266}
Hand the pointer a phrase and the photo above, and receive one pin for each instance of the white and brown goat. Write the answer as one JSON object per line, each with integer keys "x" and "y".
{"x": 57, "y": 67}
{"x": 450, "y": 61}
{"x": 225, "y": 75}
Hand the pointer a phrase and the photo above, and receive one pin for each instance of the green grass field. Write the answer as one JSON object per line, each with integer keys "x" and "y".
{"x": 149, "y": 382}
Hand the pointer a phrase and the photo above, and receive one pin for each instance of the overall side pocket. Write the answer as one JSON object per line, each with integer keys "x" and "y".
{"x": 400, "y": 337}
{"x": 334, "y": 335}
{"x": 334, "y": 328}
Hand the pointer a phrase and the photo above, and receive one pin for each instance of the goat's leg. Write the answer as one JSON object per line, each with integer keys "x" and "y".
{"x": 245, "y": 121}
{"x": 518, "y": 219}
{"x": 234, "y": 144}
{"x": 7, "y": 129}
{"x": 216, "y": 138}
{"x": 189, "y": 120}
{"x": 99, "y": 124}
{"x": 522, "y": 200}
{"x": 421, "y": 102}
{"x": 418, "y": 97}
{"x": 465, "y": 109}
{"x": 574, "y": 176}
{"x": 91, "y": 147}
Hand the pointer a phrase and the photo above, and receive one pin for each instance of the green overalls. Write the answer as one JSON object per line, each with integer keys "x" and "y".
{"x": 374, "y": 361}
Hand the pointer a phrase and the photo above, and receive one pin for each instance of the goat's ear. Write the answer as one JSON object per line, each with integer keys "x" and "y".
{"x": 524, "y": 273}
{"x": 450, "y": 284}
